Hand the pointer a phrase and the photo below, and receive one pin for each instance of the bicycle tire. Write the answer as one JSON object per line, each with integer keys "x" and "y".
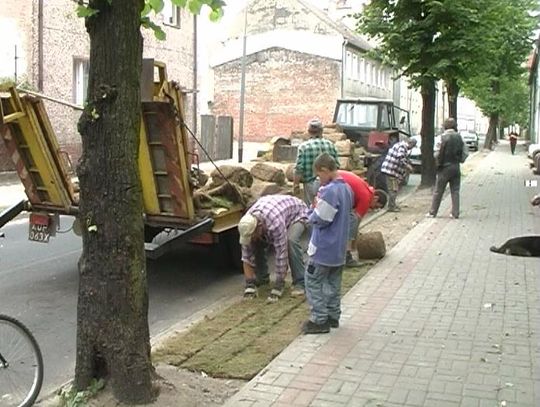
{"x": 13, "y": 356}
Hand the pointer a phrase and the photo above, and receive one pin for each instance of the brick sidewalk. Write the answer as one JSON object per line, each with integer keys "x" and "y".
{"x": 441, "y": 321}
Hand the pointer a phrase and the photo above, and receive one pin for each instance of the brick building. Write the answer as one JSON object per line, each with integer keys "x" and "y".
{"x": 52, "y": 56}
{"x": 299, "y": 60}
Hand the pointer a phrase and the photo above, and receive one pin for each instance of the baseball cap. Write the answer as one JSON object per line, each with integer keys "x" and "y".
{"x": 315, "y": 124}
{"x": 246, "y": 227}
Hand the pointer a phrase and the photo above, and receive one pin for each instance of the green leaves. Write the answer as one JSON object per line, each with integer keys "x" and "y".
{"x": 86, "y": 12}
{"x": 194, "y": 6}
{"x": 158, "y": 31}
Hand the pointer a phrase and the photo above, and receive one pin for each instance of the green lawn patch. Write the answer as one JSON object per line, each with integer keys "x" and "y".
{"x": 241, "y": 340}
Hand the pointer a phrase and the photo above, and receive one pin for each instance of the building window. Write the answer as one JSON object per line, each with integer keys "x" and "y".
{"x": 374, "y": 76}
{"x": 80, "y": 80}
{"x": 362, "y": 70}
{"x": 171, "y": 14}
{"x": 368, "y": 73}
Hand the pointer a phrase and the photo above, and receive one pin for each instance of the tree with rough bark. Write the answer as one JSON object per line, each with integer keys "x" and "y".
{"x": 113, "y": 339}
{"x": 508, "y": 40}
{"x": 428, "y": 40}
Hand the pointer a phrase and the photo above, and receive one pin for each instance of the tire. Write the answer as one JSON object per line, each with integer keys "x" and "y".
{"x": 19, "y": 355}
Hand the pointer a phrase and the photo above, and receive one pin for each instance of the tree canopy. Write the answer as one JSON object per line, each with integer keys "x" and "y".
{"x": 498, "y": 85}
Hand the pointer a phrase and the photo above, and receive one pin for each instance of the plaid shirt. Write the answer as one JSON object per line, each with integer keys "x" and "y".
{"x": 396, "y": 160}
{"x": 308, "y": 151}
{"x": 276, "y": 213}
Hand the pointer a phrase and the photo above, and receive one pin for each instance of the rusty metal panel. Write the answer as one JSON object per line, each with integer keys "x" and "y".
{"x": 170, "y": 174}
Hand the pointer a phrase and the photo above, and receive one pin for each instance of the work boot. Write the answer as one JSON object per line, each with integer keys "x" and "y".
{"x": 310, "y": 327}
{"x": 334, "y": 323}
{"x": 350, "y": 261}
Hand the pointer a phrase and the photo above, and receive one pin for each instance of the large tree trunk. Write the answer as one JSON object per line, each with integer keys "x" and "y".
{"x": 452, "y": 89}
{"x": 491, "y": 135}
{"x": 428, "y": 132}
{"x": 112, "y": 313}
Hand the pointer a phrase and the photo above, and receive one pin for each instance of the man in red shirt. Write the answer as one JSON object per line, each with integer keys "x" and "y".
{"x": 364, "y": 199}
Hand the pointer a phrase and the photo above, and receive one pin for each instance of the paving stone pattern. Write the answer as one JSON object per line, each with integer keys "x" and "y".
{"x": 441, "y": 321}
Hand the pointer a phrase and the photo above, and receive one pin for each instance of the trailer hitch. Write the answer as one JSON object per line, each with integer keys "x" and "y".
{"x": 12, "y": 212}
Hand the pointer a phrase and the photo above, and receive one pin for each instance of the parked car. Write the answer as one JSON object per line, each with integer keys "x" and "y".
{"x": 470, "y": 138}
{"x": 533, "y": 153}
{"x": 533, "y": 150}
{"x": 415, "y": 155}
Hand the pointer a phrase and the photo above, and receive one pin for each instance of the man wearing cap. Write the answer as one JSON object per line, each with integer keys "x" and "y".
{"x": 277, "y": 221}
{"x": 308, "y": 151}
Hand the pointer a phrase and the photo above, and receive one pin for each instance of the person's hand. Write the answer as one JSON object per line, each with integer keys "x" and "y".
{"x": 296, "y": 189}
{"x": 536, "y": 200}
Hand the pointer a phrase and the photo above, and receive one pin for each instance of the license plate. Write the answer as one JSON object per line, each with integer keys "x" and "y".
{"x": 39, "y": 228}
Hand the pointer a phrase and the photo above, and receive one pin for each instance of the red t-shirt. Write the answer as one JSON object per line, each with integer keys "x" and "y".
{"x": 363, "y": 192}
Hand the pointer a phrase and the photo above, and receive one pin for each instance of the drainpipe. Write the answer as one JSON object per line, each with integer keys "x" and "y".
{"x": 40, "y": 46}
{"x": 343, "y": 64}
{"x": 195, "y": 73}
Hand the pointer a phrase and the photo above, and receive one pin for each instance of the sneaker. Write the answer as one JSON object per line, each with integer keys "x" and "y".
{"x": 250, "y": 292}
{"x": 275, "y": 295}
{"x": 298, "y": 291}
{"x": 350, "y": 261}
{"x": 334, "y": 323}
{"x": 429, "y": 215}
{"x": 313, "y": 328}
{"x": 454, "y": 217}
{"x": 396, "y": 209}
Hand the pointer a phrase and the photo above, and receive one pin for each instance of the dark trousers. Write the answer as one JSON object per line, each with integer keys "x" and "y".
{"x": 513, "y": 146}
{"x": 452, "y": 175}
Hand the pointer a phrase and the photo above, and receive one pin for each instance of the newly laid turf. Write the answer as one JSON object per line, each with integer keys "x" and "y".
{"x": 241, "y": 340}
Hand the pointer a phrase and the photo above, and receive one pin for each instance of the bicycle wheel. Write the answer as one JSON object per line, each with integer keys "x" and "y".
{"x": 21, "y": 364}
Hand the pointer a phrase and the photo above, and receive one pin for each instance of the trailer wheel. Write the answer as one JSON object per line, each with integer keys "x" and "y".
{"x": 229, "y": 249}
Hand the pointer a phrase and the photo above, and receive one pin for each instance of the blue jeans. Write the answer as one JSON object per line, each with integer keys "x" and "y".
{"x": 323, "y": 292}
{"x": 354, "y": 223}
{"x": 310, "y": 191}
{"x": 296, "y": 255}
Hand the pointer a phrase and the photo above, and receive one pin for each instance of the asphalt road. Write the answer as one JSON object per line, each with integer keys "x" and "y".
{"x": 39, "y": 282}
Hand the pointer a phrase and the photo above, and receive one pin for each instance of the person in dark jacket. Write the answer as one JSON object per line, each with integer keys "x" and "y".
{"x": 513, "y": 142}
{"x": 449, "y": 159}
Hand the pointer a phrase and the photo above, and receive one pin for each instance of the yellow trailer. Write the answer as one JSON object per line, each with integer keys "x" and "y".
{"x": 164, "y": 165}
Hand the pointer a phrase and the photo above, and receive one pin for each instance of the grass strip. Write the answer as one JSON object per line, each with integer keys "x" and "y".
{"x": 241, "y": 340}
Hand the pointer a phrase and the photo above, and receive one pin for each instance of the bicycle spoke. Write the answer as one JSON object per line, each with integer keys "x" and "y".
{"x": 20, "y": 380}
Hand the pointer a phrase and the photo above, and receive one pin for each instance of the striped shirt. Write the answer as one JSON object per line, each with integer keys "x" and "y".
{"x": 308, "y": 151}
{"x": 396, "y": 160}
{"x": 276, "y": 213}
